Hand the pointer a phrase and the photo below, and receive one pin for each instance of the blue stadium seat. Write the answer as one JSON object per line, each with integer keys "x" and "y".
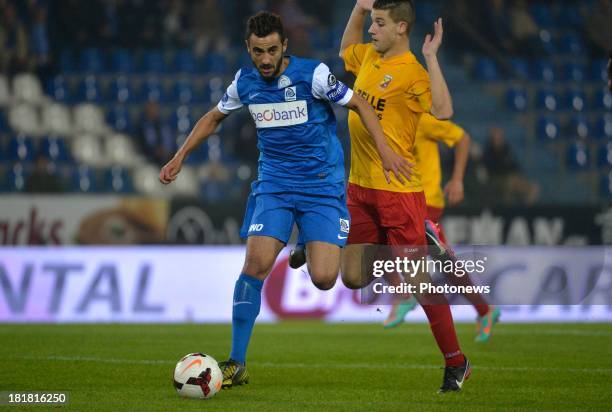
{"x": 21, "y": 149}
{"x": 153, "y": 62}
{"x": 486, "y": 69}
{"x": 573, "y": 72}
{"x": 604, "y": 155}
{"x": 119, "y": 119}
{"x": 606, "y": 185}
{"x": 571, "y": 44}
{"x": 198, "y": 156}
{"x": 543, "y": 70}
{"x": 55, "y": 149}
{"x": 542, "y": 15}
{"x": 16, "y": 178}
{"x": 575, "y": 100}
{"x": 578, "y": 157}
{"x": 216, "y": 63}
{"x": 547, "y": 43}
{"x": 120, "y": 90}
{"x": 599, "y": 71}
{"x": 568, "y": 17}
{"x": 547, "y": 99}
{"x": 83, "y": 180}
{"x": 152, "y": 91}
{"x": 66, "y": 62}
{"x": 520, "y": 67}
{"x": 4, "y": 127}
{"x": 603, "y": 127}
{"x": 89, "y": 90}
{"x": 181, "y": 120}
{"x": 92, "y": 61}
{"x": 183, "y": 92}
{"x": 117, "y": 180}
{"x": 58, "y": 89}
{"x": 184, "y": 62}
{"x": 121, "y": 61}
{"x": 516, "y": 98}
{"x": 548, "y": 128}
{"x": 579, "y": 127}
{"x": 603, "y": 100}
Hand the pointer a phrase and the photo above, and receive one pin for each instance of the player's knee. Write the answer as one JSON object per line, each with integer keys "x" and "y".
{"x": 351, "y": 282}
{"x": 256, "y": 266}
{"x": 324, "y": 283}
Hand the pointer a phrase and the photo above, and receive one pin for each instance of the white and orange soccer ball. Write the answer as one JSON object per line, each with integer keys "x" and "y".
{"x": 197, "y": 376}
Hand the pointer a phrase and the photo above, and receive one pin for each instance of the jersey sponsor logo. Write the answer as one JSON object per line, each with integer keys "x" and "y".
{"x": 377, "y": 103}
{"x": 256, "y": 227}
{"x": 344, "y": 226}
{"x": 279, "y": 114}
{"x": 290, "y": 94}
{"x": 338, "y": 92}
{"x": 387, "y": 80}
{"x": 283, "y": 82}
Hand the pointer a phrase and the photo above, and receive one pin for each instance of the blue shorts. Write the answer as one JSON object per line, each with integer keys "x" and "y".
{"x": 319, "y": 218}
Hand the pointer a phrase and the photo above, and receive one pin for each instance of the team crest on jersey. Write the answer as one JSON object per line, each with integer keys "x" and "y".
{"x": 283, "y": 82}
{"x": 344, "y": 225}
{"x": 386, "y": 81}
{"x": 290, "y": 94}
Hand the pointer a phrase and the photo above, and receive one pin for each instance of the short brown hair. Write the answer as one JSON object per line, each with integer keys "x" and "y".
{"x": 399, "y": 10}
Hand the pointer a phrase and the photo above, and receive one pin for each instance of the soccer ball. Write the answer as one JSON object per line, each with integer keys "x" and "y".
{"x": 197, "y": 376}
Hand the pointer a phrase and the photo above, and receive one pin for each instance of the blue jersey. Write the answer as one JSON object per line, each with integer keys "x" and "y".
{"x": 296, "y": 126}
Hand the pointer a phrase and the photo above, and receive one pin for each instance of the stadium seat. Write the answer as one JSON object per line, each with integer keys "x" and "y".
{"x": 27, "y": 88}
{"x": 119, "y": 150}
{"x": 86, "y": 150}
{"x": 88, "y": 118}
{"x": 55, "y": 149}
{"x": 146, "y": 181}
{"x": 58, "y": 89}
{"x": 121, "y": 61}
{"x": 606, "y": 185}
{"x": 544, "y": 70}
{"x": 547, "y": 128}
{"x": 152, "y": 91}
{"x": 573, "y": 72}
{"x": 24, "y": 118}
{"x": 184, "y": 62}
{"x": 91, "y": 61}
{"x": 546, "y": 42}
{"x": 604, "y": 157}
{"x": 520, "y": 67}
{"x": 542, "y": 15}
{"x": 4, "y": 127}
{"x": 486, "y": 69}
{"x": 120, "y": 90}
{"x": 603, "y": 127}
{"x": 119, "y": 119}
{"x": 603, "y": 100}
{"x": 578, "y": 157}
{"x": 181, "y": 120}
{"x": 89, "y": 90}
{"x": 570, "y": 44}
{"x": 186, "y": 184}
{"x": 16, "y": 178}
{"x": 5, "y": 92}
{"x": 117, "y": 180}
{"x": 547, "y": 99}
{"x": 84, "y": 180}
{"x": 215, "y": 89}
{"x": 66, "y": 62}
{"x": 516, "y": 98}
{"x": 153, "y": 62}
{"x": 183, "y": 92}
{"x": 216, "y": 63}
{"x": 599, "y": 71}
{"x": 575, "y": 100}
{"x": 579, "y": 127}
{"x": 56, "y": 120}
{"x": 21, "y": 149}
{"x": 568, "y": 17}
{"x": 198, "y": 156}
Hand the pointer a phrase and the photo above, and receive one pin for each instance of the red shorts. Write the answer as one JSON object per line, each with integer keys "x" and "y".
{"x": 434, "y": 214}
{"x": 386, "y": 218}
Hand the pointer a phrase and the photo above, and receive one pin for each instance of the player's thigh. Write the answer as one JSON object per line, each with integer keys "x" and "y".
{"x": 356, "y": 264}
{"x": 261, "y": 254}
{"x": 403, "y": 216}
{"x": 323, "y": 260}
{"x": 269, "y": 215}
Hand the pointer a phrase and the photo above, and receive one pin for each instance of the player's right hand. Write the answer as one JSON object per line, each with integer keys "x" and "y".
{"x": 392, "y": 162}
{"x": 366, "y": 4}
{"x": 171, "y": 170}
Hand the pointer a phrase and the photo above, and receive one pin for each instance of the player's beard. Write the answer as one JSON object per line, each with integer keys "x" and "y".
{"x": 277, "y": 69}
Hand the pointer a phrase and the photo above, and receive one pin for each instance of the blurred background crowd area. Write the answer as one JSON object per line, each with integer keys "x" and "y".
{"x": 96, "y": 95}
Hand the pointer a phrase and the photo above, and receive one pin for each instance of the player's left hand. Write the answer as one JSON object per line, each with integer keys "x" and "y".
{"x": 432, "y": 44}
{"x": 392, "y": 162}
{"x": 454, "y": 192}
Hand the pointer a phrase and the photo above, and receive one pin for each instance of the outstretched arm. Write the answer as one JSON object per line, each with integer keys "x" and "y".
{"x": 353, "y": 32}
{"x": 442, "y": 103}
{"x": 391, "y": 161}
{"x": 454, "y": 188}
{"x": 201, "y": 131}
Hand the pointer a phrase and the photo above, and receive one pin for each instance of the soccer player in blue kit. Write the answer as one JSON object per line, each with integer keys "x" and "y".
{"x": 301, "y": 169}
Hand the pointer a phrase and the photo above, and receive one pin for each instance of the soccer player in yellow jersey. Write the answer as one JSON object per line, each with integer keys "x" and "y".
{"x": 430, "y": 133}
{"x": 400, "y": 90}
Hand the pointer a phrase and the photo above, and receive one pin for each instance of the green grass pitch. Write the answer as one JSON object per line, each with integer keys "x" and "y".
{"x": 313, "y": 366}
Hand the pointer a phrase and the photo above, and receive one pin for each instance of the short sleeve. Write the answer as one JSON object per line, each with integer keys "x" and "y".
{"x": 443, "y": 131}
{"x": 353, "y": 57}
{"x": 325, "y": 86}
{"x": 230, "y": 101}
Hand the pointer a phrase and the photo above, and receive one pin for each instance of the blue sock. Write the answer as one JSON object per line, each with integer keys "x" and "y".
{"x": 247, "y": 301}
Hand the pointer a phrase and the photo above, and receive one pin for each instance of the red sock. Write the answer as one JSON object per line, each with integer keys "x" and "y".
{"x": 441, "y": 323}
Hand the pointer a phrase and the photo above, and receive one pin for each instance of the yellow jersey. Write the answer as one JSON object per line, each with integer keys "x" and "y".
{"x": 429, "y": 132}
{"x": 399, "y": 90}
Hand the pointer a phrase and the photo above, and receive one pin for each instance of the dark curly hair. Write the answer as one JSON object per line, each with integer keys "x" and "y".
{"x": 263, "y": 24}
